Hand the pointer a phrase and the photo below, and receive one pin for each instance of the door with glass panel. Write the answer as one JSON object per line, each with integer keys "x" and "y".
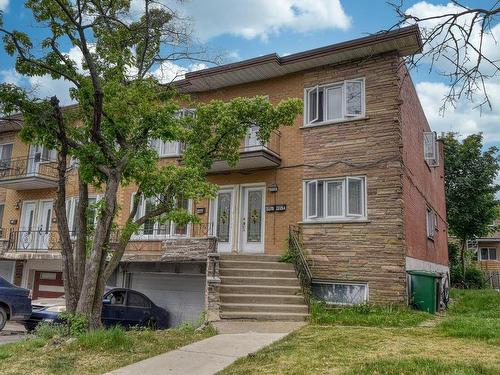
{"x": 43, "y": 229}
{"x": 252, "y": 219}
{"x": 27, "y": 227}
{"x": 37, "y": 156}
{"x": 224, "y": 218}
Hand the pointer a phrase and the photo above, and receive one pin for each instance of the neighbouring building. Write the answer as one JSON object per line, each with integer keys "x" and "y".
{"x": 360, "y": 174}
{"x": 487, "y": 252}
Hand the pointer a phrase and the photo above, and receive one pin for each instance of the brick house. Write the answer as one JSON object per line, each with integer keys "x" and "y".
{"x": 360, "y": 174}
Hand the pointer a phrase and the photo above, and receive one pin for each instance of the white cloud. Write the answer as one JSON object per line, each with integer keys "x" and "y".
{"x": 10, "y": 76}
{"x": 464, "y": 119}
{"x": 258, "y": 18}
{"x": 46, "y": 87}
{"x": 261, "y": 18}
{"x": 168, "y": 71}
{"x": 4, "y": 4}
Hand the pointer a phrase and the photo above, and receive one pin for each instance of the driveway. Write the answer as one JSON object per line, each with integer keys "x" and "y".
{"x": 12, "y": 332}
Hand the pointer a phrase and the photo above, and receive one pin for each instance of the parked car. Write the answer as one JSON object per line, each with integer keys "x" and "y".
{"x": 15, "y": 303}
{"x": 120, "y": 306}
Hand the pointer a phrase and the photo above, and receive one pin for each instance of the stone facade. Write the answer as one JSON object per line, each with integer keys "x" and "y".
{"x": 212, "y": 291}
{"x": 188, "y": 249}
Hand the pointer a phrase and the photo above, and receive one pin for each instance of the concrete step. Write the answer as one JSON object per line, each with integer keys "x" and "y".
{"x": 255, "y": 258}
{"x": 247, "y": 264}
{"x": 256, "y": 272}
{"x": 246, "y": 315}
{"x": 260, "y": 289}
{"x": 255, "y": 280}
{"x": 264, "y": 308}
{"x": 262, "y": 298}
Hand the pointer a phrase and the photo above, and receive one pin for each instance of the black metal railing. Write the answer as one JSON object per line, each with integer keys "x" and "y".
{"x": 300, "y": 261}
{"x": 27, "y": 167}
{"x": 34, "y": 240}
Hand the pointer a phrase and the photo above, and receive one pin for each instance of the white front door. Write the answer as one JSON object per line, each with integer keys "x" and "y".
{"x": 252, "y": 210}
{"x": 27, "y": 226}
{"x": 224, "y": 219}
{"x": 44, "y": 217}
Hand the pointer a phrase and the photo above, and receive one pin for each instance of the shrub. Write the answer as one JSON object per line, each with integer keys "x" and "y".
{"x": 77, "y": 324}
{"x": 474, "y": 278}
{"x": 48, "y": 331}
{"x": 287, "y": 256}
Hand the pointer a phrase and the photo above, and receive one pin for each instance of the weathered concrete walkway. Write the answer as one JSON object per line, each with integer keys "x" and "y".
{"x": 211, "y": 355}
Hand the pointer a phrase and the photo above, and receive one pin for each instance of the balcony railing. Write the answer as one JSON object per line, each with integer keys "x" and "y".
{"x": 253, "y": 144}
{"x": 27, "y": 167}
{"x": 34, "y": 240}
{"x": 46, "y": 240}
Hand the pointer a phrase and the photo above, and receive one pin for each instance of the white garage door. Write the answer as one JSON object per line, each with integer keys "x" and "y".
{"x": 182, "y": 296}
{"x": 7, "y": 270}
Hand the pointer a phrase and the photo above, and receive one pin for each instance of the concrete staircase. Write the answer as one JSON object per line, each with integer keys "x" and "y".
{"x": 259, "y": 287}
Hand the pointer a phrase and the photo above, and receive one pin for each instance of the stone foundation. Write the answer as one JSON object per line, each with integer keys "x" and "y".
{"x": 188, "y": 249}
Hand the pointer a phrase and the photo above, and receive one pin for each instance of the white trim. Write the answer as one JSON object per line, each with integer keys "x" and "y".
{"x": 345, "y": 117}
{"x": 332, "y": 219}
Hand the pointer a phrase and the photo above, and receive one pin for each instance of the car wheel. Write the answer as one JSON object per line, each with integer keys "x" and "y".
{"x": 3, "y": 317}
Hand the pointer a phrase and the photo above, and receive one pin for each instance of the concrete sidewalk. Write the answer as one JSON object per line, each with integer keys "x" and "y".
{"x": 211, "y": 355}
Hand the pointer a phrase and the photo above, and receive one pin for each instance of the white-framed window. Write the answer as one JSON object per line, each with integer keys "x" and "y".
{"x": 153, "y": 228}
{"x": 5, "y": 155}
{"x": 335, "y": 199}
{"x": 71, "y": 212}
{"x": 431, "y": 222}
{"x": 341, "y": 293}
{"x": 172, "y": 148}
{"x": 334, "y": 102}
{"x": 488, "y": 253}
{"x": 166, "y": 148}
{"x": 431, "y": 151}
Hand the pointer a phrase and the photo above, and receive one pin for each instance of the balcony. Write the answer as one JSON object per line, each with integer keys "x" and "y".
{"x": 254, "y": 154}
{"x": 146, "y": 239}
{"x": 28, "y": 173}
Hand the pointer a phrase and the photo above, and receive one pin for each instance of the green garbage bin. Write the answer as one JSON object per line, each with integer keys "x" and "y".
{"x": 423, "y": 290}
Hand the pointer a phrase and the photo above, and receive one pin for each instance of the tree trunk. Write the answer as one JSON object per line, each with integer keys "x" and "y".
{"x": 96, "y": 260}
{"x": 462, "y": 257}
{"x": 81, "y": 235}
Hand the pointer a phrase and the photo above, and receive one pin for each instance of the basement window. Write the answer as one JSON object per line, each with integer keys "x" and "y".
{"x": 334, "y": 102}
{"x": 341, "y": 293}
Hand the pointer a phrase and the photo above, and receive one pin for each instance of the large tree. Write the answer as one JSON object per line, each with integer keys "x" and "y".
{"x": 121, "y": 107}
{"x": 470, "y": 174}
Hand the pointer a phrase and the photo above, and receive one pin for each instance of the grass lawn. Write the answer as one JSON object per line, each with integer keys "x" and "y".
{"x": 92, "y": 353}
{"x": 364, "y": 340}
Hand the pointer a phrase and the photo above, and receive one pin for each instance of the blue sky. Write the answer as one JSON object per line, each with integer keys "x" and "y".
{"x": 248, "y": 28}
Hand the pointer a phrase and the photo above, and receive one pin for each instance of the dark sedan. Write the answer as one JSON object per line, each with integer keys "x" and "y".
{"x": 123, "y": 307}
{"x": 15, "y": 303}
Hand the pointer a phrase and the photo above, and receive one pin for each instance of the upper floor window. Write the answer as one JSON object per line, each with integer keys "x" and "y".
{"x": 431, "y": 152}
{"x": 166, "y": 148}
{"x": 334, "y": 102}
{"x": 335, "y": 199}
{"x": 5, "y": 155}
{"x": 172, "y": 148}
{"x": 431, "y": 223}
{"x": 488, "y": 253}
